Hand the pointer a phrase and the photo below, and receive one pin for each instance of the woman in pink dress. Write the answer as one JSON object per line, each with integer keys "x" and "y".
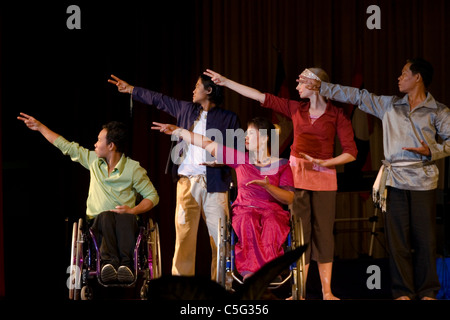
{"x": 265, "y": 184}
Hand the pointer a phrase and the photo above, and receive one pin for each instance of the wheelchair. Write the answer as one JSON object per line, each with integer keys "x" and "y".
{"x": 85, "y": 262}
{"x": 227, "y": 274}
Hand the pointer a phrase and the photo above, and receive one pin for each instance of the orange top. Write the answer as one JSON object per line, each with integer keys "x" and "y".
{"x": 310, "y": 176}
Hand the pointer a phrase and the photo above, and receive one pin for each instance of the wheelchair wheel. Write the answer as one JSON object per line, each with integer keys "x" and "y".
{"x": 298, "y": 283}
{"x": 79, "y": 258}
{"x": 155, "y": 249}
{"x": 222, "y": 250}
{"x": 72, "y": 271}
{"x": 144, "y": 290}
{"x": 86, "y": 293}
{"x": 76, "y": 260}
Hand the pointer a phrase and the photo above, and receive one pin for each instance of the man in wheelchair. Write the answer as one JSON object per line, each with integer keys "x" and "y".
{"x": 115, "y": 181}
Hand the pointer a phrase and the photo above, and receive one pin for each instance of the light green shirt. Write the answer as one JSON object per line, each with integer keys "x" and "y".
{"x": 108, "y": 191}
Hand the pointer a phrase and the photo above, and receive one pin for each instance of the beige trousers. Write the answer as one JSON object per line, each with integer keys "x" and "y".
{"x": 194, "y": 201}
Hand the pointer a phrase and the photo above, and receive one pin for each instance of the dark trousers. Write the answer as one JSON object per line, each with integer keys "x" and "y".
{"x": 410, "y": 223}
{"x": 317, "y": 209}
{"x": 116, "y": 234}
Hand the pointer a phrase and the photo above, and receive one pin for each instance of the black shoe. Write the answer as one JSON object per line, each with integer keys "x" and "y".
{"x": 125, "y": 275}
{"x": 108, "y": 273}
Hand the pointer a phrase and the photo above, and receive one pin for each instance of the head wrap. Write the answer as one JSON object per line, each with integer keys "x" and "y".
{"x": 309, "y": 74}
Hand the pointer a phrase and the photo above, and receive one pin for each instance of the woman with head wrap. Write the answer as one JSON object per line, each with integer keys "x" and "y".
{"x": 316, "y": 123}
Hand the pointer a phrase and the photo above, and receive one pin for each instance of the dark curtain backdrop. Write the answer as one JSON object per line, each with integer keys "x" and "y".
{"x": 2, "y": 255}
{"x": 59, "y": 76}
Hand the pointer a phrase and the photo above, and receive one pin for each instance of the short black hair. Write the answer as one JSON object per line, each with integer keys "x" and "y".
{"x": 216, "y": 95}
{"x": 419, "y": 65}
{"x": 263, "y": 123}
{"x": 117, "y": 133}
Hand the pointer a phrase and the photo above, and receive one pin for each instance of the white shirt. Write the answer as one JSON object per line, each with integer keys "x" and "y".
{"x": 195, "y": 155}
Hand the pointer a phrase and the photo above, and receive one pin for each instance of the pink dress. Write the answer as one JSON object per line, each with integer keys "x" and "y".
{"x": 259, "y": 220}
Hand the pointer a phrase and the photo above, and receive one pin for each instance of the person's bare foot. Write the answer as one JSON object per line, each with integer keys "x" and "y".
{"x": 403, "y": 298}
{"x": 428, "y": 298}
{"x": 292, "y": 298}
{"x": 330, "y": 296}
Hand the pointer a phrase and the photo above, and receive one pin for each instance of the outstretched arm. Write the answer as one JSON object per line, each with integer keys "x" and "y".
{"x": 152, "y": 98}
{"x": 35, "y": 125}
{"x": 122, "y": 86}
{"x": 188, "y": 136}
{"x": 233, "y": 85}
